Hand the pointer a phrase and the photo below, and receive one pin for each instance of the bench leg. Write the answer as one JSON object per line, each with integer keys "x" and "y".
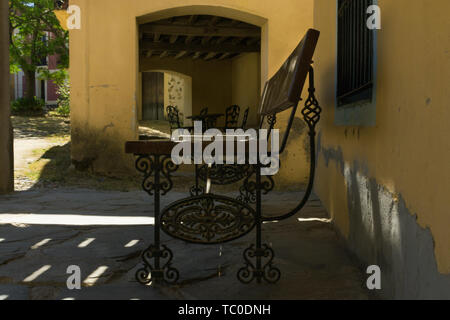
{"x": 154, "y": 183}
{"x": 263, "y": 268}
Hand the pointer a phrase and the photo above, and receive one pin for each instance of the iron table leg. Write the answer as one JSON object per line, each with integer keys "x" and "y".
{"x": 161, "y": 270}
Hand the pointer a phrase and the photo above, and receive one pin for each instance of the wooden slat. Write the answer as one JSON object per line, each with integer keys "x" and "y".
{"x": 284, "y": 89}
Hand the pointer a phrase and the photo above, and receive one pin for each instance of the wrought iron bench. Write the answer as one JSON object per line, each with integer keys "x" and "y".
{"x": 212, "y": 219}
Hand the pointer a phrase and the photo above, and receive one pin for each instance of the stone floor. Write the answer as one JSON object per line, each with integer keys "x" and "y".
{"x": 42, "y": 232}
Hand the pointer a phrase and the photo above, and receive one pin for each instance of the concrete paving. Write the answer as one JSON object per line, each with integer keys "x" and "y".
{"x": 43, "y": 232}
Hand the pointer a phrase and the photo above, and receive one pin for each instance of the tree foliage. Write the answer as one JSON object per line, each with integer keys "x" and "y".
{"x": 31, "y": 21}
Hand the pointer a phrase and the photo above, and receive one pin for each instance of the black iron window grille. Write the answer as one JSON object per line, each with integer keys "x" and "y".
{"x": 355, "y": 53}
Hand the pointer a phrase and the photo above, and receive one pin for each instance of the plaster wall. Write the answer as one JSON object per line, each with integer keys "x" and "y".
{"x": 246, "y": 85}
{"x": 386, "y": 186}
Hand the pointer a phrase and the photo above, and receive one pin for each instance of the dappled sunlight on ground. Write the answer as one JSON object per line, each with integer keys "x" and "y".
{"x": 154, "y": 129}
{"x": 104, "y": 234}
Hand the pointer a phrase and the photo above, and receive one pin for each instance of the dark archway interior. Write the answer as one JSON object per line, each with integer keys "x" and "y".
{"x": 198, "y": 37}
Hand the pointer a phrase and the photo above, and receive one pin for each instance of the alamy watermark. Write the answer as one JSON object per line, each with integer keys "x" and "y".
{"x": 374, "y": 280}
{"x": 74, "y": 19}
{"x": 251, "y": 147}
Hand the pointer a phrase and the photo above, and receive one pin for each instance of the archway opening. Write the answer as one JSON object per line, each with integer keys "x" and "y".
{"x": 221, "y": 56}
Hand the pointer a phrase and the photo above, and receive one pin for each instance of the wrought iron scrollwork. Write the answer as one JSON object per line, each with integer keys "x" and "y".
{"x": 208, "y": 219}
{"x": 224, "y": 174}
{"x": 266, "y": 272}
{"x": 153, "y": 272}
{"x": 312, "y": 110}
{"x": 167, "y": 168}
{"x": 272, "y": 120}
{"x": 232, "y": 116}
{"x": 247, "y": 192}
{"x": 148, "y": 165}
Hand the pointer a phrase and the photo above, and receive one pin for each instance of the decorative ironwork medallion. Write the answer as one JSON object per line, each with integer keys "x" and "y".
{"x": 208, "y": 219}
{"x": 267, "y": 272}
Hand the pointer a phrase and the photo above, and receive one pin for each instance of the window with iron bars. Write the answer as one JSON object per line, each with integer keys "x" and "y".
{"x": 355, "y": 53}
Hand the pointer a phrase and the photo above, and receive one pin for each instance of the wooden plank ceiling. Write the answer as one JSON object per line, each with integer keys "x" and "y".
{"x": 198, "y": 37}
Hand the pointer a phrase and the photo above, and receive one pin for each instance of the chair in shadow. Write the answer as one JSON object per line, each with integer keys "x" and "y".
{"x": 245, "y": 119}
{"x": 173, "y": 115}
{"x": 232, "y": 117}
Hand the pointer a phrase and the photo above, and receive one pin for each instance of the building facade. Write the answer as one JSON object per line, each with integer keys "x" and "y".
{"x": 45, "y": 89}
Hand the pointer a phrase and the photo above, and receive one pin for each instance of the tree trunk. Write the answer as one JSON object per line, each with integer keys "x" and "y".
{"x": 30, "y": 78}
{"x": 6, "y": 135}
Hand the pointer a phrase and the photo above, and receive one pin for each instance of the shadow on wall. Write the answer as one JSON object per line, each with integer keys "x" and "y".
{"x": 384, "y": 232}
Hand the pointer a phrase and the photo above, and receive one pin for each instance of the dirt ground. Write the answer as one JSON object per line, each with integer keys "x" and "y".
{"x": 33, "y": 136}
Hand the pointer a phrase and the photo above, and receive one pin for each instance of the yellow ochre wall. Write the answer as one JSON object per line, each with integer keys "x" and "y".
{"x": 246, "y": 85}
{"x": 373, "y": 180}
{"x": 105, "y": 69}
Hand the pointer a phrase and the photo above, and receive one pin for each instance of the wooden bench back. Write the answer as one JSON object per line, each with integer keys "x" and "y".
{"x": 284, "y": 89}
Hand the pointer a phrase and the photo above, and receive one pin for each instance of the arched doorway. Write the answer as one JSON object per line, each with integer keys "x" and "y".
{"x": 161, "y": 88}
{"x": 221, "y": 55}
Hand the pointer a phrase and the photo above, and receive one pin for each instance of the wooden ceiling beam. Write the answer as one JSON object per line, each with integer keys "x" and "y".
{"x": 236, "y": 41}
{"x": 215, "y": 20}
{"x": 181, "y": 55}
{"x": 189, "y": 39}
{"x": 210, "y": 56}
{"x": 173, "y": 39}
{"x": 224, "y": 56}
{"x": 199, "y": 31}
{"x": 206, "y": 40}
{"x": 220, "y": 40}
{"x": 252, "y": 41}
{"x": 192, "y": 19}
{"x": 221, "y": 48}
{"x": 196, "y": 55}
